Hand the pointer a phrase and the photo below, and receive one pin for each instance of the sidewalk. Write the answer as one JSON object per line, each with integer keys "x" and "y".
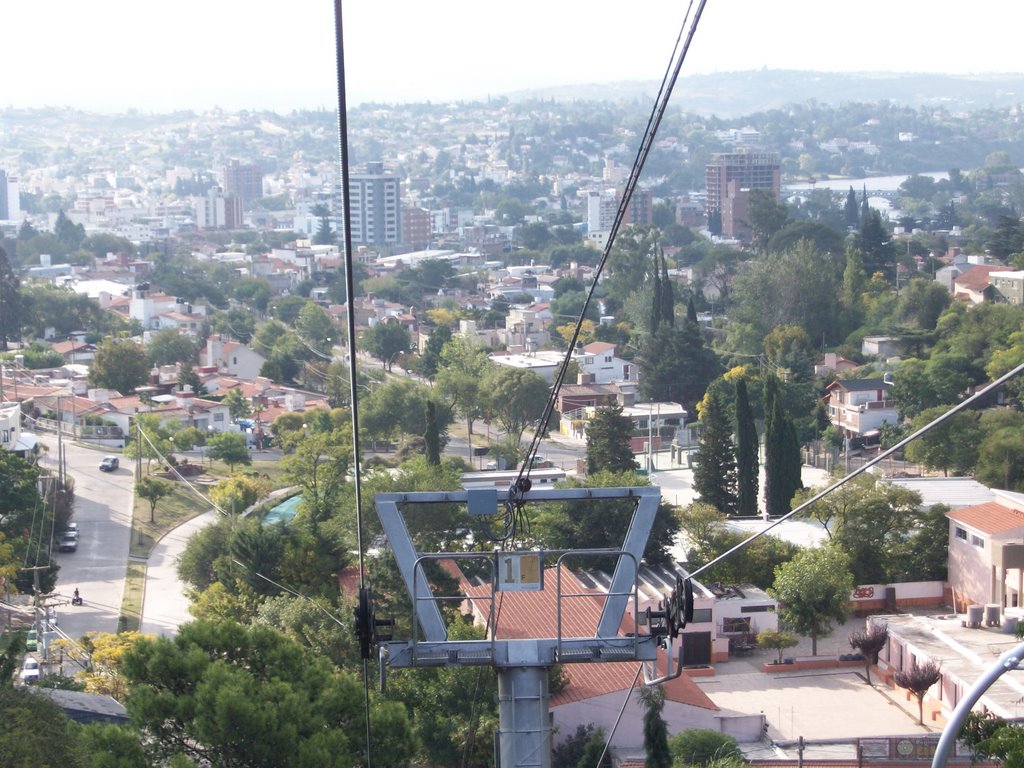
{"x": 164, "y": 603}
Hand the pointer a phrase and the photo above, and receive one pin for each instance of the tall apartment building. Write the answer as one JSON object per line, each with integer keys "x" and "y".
{"x": 602, "y": 207}
{"x": 243, "y": 181}
{"x": 216, "y": 210}
{"x": 416, "y": 227}
{"x": 10, "y": 199}
{"x": 730, "y": 177}
{"x": 374, "y": 207}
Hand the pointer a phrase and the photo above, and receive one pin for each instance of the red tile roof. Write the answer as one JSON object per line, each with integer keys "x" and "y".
{"x": 990, "y": 517}
{"x": 534, "y": 615}
{"x": 977, "y": 277}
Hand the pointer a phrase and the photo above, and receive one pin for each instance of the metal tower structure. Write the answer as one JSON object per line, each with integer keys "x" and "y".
{"x": 522, "y": 665}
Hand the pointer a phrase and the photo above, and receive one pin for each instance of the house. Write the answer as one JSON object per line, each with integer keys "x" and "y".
{"x": 831, "y": 363}
{"x": 595, "y": 692}
{"x": 986, "y": 556}
{"x": 231, "y": 357}
{"x": 974, "y": 285}
{"x": 75, "y": 351}
{"x": 598, "y": 359}
{"x": 882, "y": 347}
{"x": 859, "y": 407}
{"x": 1008, "y": 286}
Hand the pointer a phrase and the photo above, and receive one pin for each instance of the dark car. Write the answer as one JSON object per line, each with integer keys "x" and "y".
{"x": 109, "y": 463}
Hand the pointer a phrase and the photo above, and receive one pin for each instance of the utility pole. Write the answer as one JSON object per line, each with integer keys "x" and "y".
{"x": 522, "y": 664}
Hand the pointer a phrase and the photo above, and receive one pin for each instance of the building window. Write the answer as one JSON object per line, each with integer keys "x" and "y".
{"x": 757, "y": 609}
{"x": 701, "y": 615}
{"x": 218, "y": 417}
{"x": 961, "y": 533}
{"x": 977, "y": 541}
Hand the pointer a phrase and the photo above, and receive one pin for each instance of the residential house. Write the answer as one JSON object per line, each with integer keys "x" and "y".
{"x": 859, "y": 407}
{"x": 974, "y": 285}
{"x": 598, "y": 359}
{"x": 231, "y": 357}
{"x": 596, "y": 691}
{"x": 986, "y": 556}
{"x": 75, "y": 350}
{"x": 831, "y": 363}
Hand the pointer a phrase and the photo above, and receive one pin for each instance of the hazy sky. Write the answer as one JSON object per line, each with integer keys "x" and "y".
{"x": 112, "y": 55}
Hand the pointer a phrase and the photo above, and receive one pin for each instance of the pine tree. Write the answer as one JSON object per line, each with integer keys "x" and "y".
{"x": 865, "y": 209}
{"x": 608, "y": 441}
{"x": 714, "y": 477}
{"x": 746, "y": 453}
{"x": 851, "y": 215}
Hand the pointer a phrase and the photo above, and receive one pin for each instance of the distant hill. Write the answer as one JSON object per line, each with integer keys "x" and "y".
{"x": 732, "y": 94}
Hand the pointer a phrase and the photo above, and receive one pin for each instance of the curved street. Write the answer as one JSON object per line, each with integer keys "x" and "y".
{"x": 103, "y": 512}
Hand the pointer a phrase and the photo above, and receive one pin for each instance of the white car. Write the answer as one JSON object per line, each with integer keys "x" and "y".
{"x": 30, "y": 671}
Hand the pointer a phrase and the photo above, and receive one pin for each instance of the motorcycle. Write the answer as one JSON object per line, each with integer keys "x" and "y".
{"x": 76, "y": 600}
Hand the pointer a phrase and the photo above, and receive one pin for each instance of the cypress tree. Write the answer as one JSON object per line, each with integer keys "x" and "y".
{"x": 774, "y": 486}
{"x": 691, "y": 311}
{"x": 851, "y": 215}
{"x": 656, "y": 747}
{"x": 746, "y": 453}
{"x": 668, "y": 299}
{"x": 714, "y": 477}
{"x": 432, "y": 436}
{"x": 864, "y": 207}
{"x": 655, "y": 320}
{"x": 608, "y": 441}
{"x": 791, "y": 463}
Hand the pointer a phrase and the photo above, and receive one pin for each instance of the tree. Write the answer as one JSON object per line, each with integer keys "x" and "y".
{"x": 608, "y": 441}
{"x": 714, "y": 477}
{"x": 583, "y": 748}
{"x": 229, "y": 447}
{"x": 656, "y": 747}
{"x": 237, "y": 493}
{"x": 851, "y": 212}
{"x": 765, "y": 217}
{"x": 324, "y": 234}
{"x": 782, "y": 475}
{"x": 776, "y": 640}
{"x": 430, "y": 358}
{"x": 316, "y": 328}
{"x": 603, "y": 523}
{"x": 432, "y": 435}
{"x": 188, "y": 379}
{"x": 152, "y": 490}
{"x": 702, "y": 746}
{"x": 386, "y": 340}
{"x": 1001, "y": 460}
{"x": 10, "y": 302}
{"x": 224, "y": 694}
{"x": 747, "y": 449}
{"x": 35, "y": 731}
{"x": 869, "y": 642}
{"x": 238, "y": 406}
{"x": 170, "y": 346}
{"x": 516, "y": 397}
{"x": 918, "y": 679}
{"x": 813, "y": 590}
{"x": 153, "y": 438}
{"x": 675, "y": 365}
{"x": 875, "y": 245}
{"x": 119, "y": 365}
{"x": 952, "y": 445}
{"x": 68, "y": 234}
{"x": 460, "y": 380}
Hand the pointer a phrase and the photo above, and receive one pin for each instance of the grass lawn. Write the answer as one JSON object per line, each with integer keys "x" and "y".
{"x": 183, "y": 504}
{"x": 171, "y": 511}
{"x": 131, "y": 602}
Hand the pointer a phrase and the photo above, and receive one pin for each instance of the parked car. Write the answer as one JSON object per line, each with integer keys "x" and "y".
{"x": 109, "y": 463}
{"x": 68, "y": 542}
{"x": 30, "y": 641}
{"x": 30, "y": 671}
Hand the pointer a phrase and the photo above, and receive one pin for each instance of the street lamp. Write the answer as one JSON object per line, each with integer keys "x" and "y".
{"x": 390, "y": 360}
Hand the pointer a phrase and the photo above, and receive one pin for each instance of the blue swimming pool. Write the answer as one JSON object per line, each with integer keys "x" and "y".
{"x": 283, "y": 512}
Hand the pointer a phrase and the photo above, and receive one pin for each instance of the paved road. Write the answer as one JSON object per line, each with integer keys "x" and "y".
{"x": 103, "y": 511}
